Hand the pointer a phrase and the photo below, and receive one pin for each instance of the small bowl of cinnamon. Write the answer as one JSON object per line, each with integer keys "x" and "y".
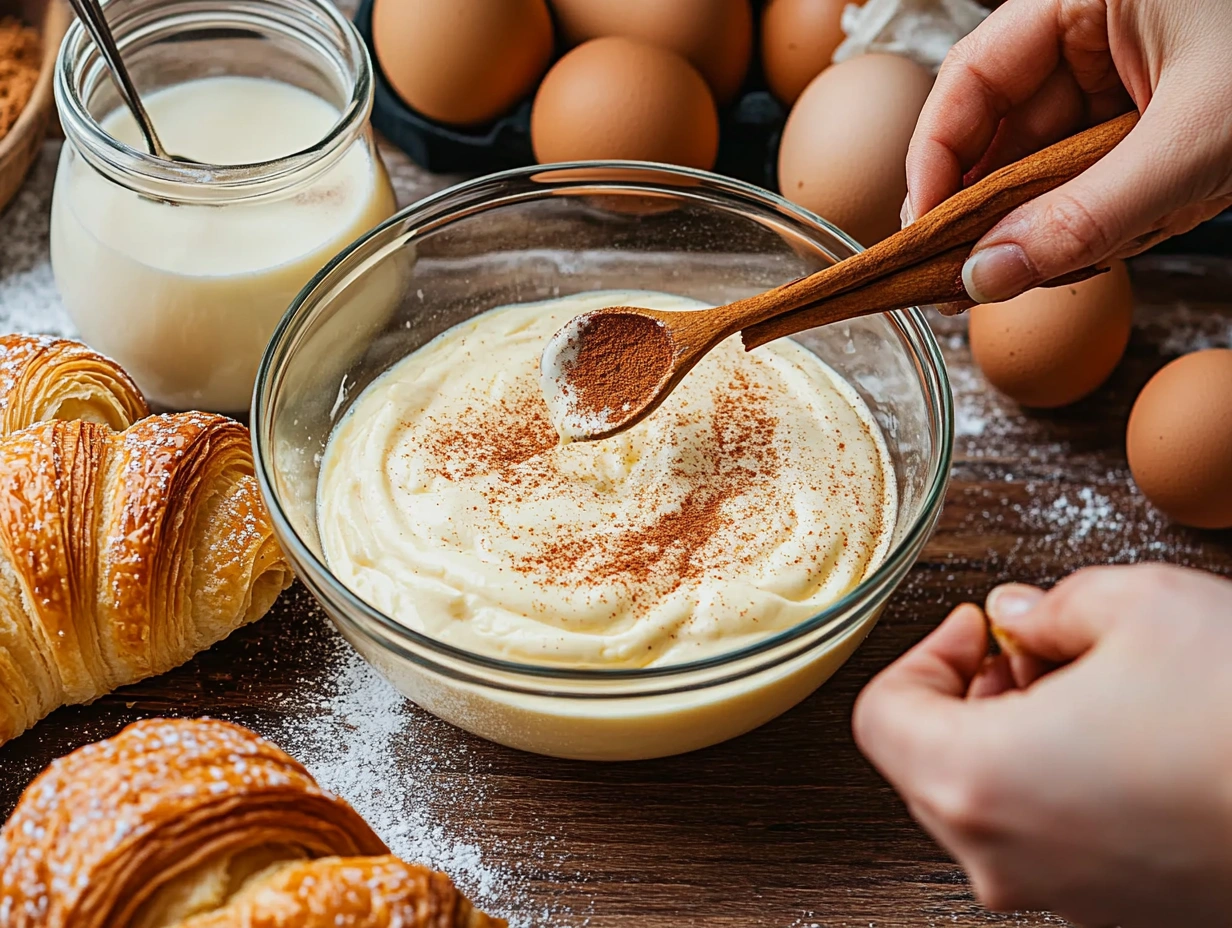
{"x": 30, "y": 34}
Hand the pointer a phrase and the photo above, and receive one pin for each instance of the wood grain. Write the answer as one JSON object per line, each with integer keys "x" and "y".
{"x": 788, "y": 826}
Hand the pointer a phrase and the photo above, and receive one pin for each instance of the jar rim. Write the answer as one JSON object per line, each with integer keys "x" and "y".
{"x": 316, "y": 24}
{"x": 359, "y": 620}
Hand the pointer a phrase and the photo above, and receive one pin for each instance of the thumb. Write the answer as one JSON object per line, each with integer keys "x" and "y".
{"x": 1059, "y": 625}
{"x": 1125, "y": 196}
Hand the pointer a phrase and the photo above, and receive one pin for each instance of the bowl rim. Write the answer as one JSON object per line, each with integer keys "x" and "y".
{"x": 910, "y": 322}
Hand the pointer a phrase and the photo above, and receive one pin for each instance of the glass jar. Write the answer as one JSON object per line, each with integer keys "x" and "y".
{"x": 180, "y": 271}
{"x": 538, "y": 233}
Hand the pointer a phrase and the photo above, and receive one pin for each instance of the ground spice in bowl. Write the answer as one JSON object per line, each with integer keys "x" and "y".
{"x": 20, "y": 57}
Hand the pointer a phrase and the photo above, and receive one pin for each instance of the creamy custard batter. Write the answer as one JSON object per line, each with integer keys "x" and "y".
{"x": 759, "y": 493}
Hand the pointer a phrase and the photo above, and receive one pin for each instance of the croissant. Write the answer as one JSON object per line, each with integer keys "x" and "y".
{"x": 123, "y": 554}
{"x": 45, "y": 378}
{"x": 194, "y": 823}
{"x": 363, "y": 892}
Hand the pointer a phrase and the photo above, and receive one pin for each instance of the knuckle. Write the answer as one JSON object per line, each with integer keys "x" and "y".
{"x": 871, "y": 719}
{"x": 1083, "y": 234}
{"x": 1156, "y": 578}
{"x": 1134, "y": 591}
{"x": 1087, "y": 585}
{"x": 960, "y": 56}
{"x": 964, "y": 65}
{"x": 1073, "y": 591}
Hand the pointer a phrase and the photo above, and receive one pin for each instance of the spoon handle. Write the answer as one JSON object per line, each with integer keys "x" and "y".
{"x": 90, "y": 12}
{"x": 938, "y": 280}
{"x": 922, "y": 264}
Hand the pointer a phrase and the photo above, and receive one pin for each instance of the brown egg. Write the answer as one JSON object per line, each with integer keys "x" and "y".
{"x": 617, "y": 98}
{"x": 844, "y": 147}
{"x": 1054, "y": 345}
{"x": 1179, "y": 441}
{"x": 715, "y": 35}
{"x": 462, "y": 61}
{"x": 798, "y": 39}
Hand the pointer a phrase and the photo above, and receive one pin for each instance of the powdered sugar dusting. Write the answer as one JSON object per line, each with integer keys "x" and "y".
{"x": 361, "y": 739}
{"x": 1039, "y": 489}
{"x": 29, "y": 301}
{"x": 1182, "y": 328}
{"x": 987, "y": 425}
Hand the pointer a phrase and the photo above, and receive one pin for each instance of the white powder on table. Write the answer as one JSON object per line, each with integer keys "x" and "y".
{"x": 1041, "y": 527}
{"x": 987, "y": 425}
{"x": 364, "y": 741}
{"x": 1181, "y": 328}
{"x": 29, "y": 301}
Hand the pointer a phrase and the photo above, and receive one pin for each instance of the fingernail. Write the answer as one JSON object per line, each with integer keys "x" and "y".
{"x": 997, "y": 273}
{"x": 1011, "y": 600}
{"x": 906, "y": 215}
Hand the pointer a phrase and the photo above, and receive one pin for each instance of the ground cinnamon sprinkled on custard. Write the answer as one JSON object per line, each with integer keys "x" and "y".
{"x": 494, "y": 439}
{"x": 604, "y": 375}
{"x": 655, "y": 541}
{"x": 664, "y": 552}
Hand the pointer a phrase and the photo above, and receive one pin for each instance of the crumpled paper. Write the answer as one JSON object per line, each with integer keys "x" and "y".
{"x": 922, "y": 30}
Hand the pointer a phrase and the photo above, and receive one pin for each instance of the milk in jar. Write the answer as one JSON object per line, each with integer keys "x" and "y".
{"x": 186, "y": 294}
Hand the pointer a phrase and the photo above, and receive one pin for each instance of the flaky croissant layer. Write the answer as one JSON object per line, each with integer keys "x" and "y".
{"x": 347, "y": 892}
{"x": 44, "y": 378}
{"x": 123, "y": 554}
{"x": 202, "y": 824}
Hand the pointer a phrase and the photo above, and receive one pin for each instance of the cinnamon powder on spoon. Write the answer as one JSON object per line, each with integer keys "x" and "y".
{"x": 595, "y": 373}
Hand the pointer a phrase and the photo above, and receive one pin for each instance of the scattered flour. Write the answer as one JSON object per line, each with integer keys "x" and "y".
{"x": 29, "y": 301}
{"x": 972, "y": 404}
{"x": 364, "y": 741}
{"x": 1181, "y": 328}
{"x": 1039, "y": 526}
{"x": 1087, "y": 512}
{"x": 987, "y": 425}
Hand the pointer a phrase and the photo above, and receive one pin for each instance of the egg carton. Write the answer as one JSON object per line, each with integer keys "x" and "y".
{"x": 749, "y": 132}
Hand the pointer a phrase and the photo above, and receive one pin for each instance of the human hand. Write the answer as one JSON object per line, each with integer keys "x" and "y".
{"x": 1102, "y": 789}
{"x": 1038, "y": 70}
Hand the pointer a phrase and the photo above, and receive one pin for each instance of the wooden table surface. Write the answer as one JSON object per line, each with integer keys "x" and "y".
{"x": 787, "y": 826}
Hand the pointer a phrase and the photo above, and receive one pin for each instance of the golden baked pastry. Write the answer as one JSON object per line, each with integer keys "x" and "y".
{"x": 123, "y": 554}
{"x": 194, "y": 823}
{"x": 359, "y": 892}
{"x": 45, "y": 378}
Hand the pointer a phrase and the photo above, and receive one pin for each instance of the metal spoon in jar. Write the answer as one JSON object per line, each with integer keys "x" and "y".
{"x": 90, "y": 12}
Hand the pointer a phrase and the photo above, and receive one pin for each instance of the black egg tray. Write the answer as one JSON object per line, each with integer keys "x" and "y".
{"x": 749, "y": 130}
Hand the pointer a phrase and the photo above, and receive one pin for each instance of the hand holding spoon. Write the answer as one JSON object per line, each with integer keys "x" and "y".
{"x": 606, "y": 370}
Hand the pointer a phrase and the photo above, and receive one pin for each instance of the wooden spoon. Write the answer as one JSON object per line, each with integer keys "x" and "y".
{"x": 606, "y": 370}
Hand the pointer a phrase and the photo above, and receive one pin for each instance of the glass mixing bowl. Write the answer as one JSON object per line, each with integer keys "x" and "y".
{"x": 542, "y": 232}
